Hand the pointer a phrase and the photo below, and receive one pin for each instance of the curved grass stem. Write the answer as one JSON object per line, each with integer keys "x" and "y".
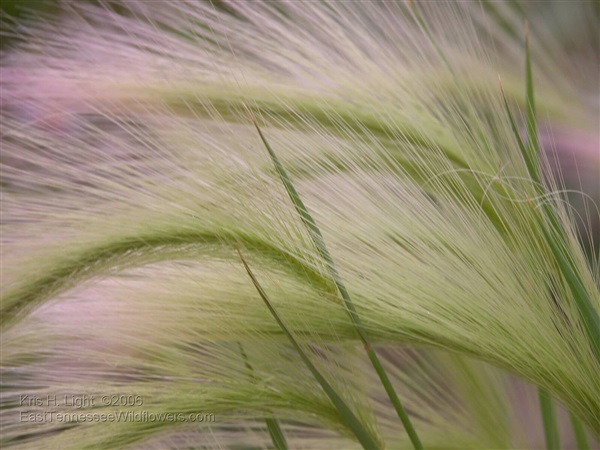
{"x": 549, "y": 420}
{"x": 135, "y": 251}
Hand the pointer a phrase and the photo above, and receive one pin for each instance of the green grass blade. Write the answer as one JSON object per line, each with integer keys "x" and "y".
{"x": 549, "y": 420}
{"x": 319, "y": 242}
{"x": 277, "y": 436}
{"x": 556, "y": 236}
{"x": 354, "y": 424}
{"x": 389, "y": 389}
{"x": 579, "y": 432}
{"x": 533, "y": 144}
{"x": 556, "y": 239}
{"x": 527, "y": 156}
{"x": 589, "y": 315}
{"x": 275, "y": 431}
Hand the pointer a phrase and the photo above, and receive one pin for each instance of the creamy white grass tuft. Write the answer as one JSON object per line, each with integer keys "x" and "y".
{"x": 131, "y": 173}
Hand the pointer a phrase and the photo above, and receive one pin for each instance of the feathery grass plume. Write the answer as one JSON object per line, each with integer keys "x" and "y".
{"x": 130, "y": 173}
{"x": 135, "y": 353}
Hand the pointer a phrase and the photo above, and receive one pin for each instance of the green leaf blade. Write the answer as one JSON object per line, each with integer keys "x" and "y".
{"x": 353, "y": 423}
{"x": 276, "y": 433}
{"x": 319, "y": 243}
{"x": 549, "y": 420}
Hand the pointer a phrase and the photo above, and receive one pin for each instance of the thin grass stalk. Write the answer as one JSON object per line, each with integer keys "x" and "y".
{"x": 556, "y": 236}
{"x": 533, "y": 145}
{"x": 531, "y": 165}
{"x": 531, "y": 156}
{"x": 354, "y": 424}
{"x": 319, "y": 242}
{"x": 579, "y": 432}
{"x": 589, "y": 316}
{"x": 551, "y": 433}
{"x": 276, "y": 433}
{"x": 529, "y": 161}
